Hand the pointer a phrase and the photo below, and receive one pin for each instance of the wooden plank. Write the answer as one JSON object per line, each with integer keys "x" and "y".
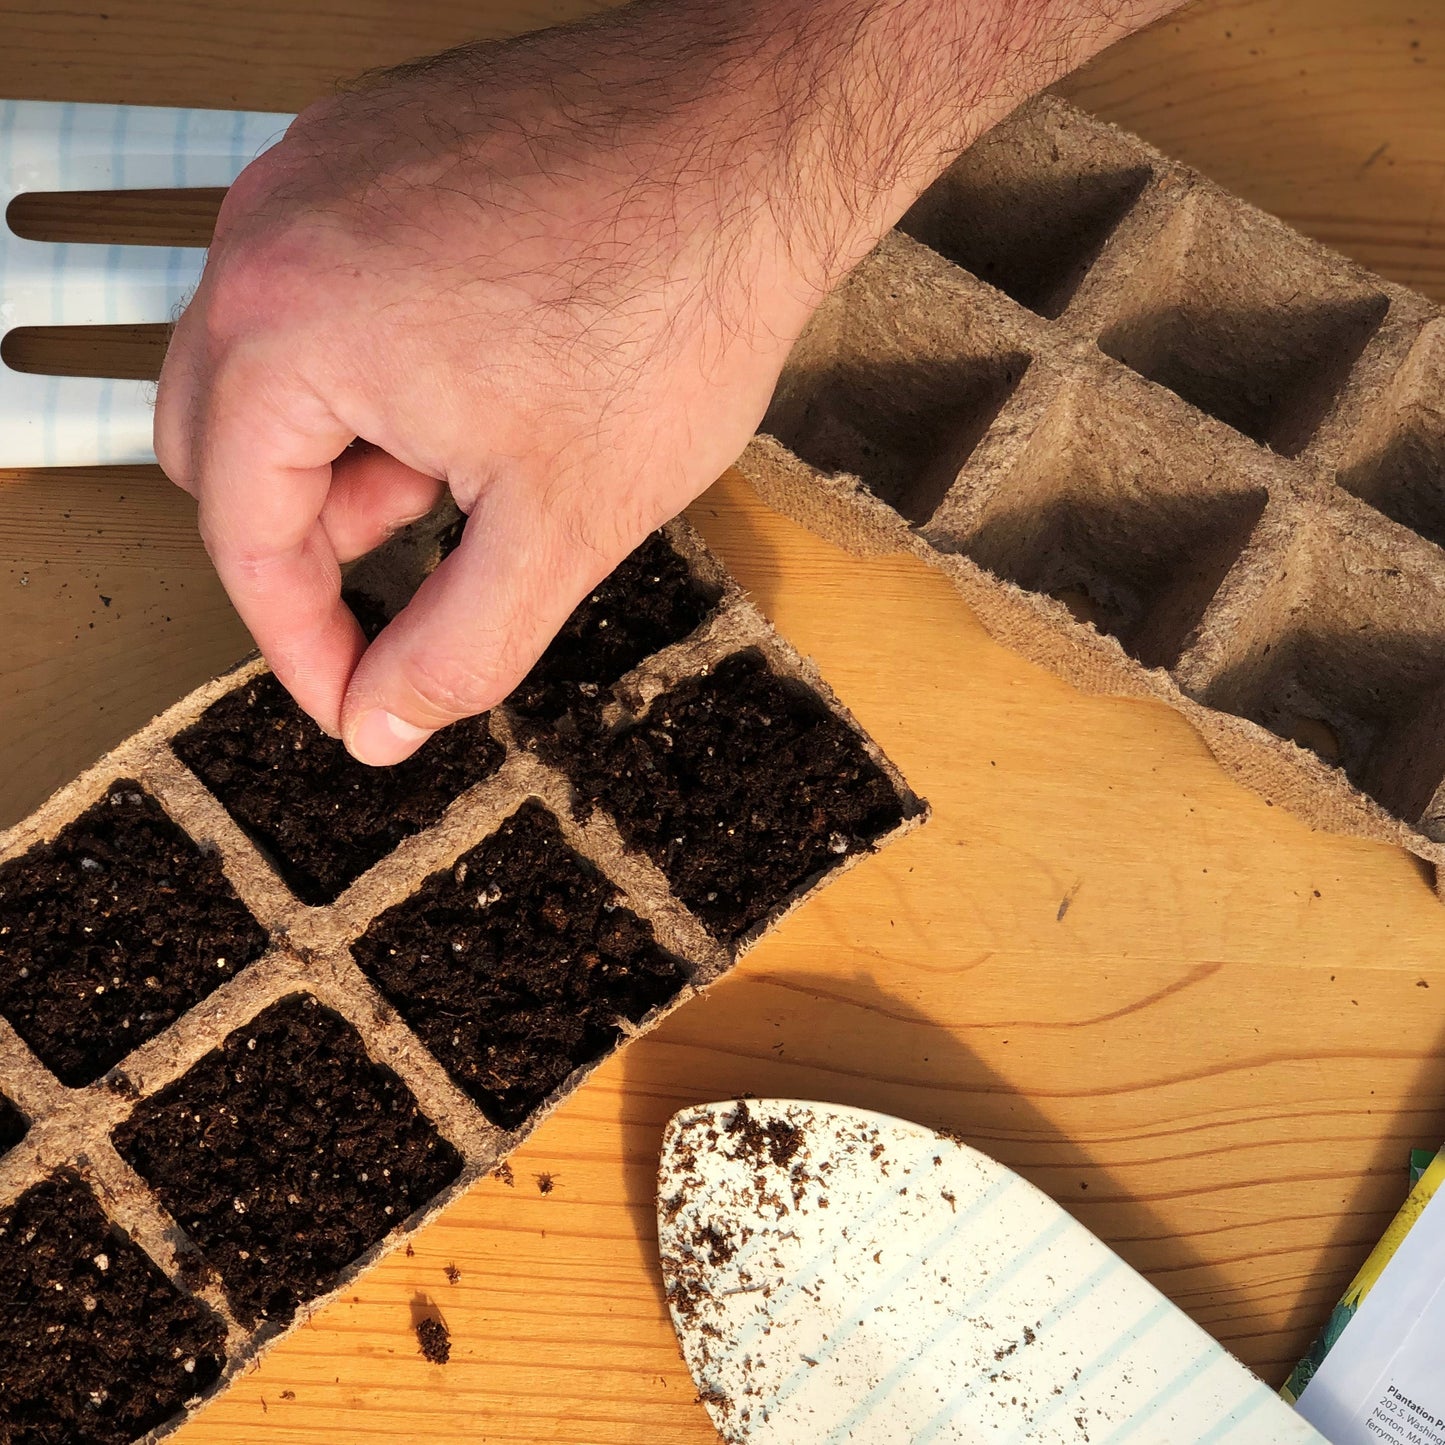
{"x": 1202, "y": 1055}
{"x": 1328, "y": 114}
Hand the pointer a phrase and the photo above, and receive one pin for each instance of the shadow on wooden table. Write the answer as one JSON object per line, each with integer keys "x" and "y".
{"x": 849, "y": 1041}
{"x": 734, "y": 534}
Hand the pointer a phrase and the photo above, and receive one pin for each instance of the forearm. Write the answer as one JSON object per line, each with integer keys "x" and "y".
{"x": 833, "y": 115}
{"x": 891, "y": 90}
{"x": 762, "y": 144}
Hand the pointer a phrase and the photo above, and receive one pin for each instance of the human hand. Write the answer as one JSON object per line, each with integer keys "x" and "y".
{"x": 515, "y": 286}
{"x": 558, "y": 276}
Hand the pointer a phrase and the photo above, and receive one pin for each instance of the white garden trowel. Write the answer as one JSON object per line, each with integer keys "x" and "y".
{"x": 49, "y": 146}
{"x": 839, "y": 1276}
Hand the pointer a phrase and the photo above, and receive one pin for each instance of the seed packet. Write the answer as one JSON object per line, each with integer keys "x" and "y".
{"x": 1374, "y": 1373}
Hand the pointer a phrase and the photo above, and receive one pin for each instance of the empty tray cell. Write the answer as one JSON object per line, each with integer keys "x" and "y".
{"x": 322, "y": 817}
{"x": 1132, "y": 533}
{"x": 1345, "y": 655}
{"x": 518, "y": 965}
{"x": 285, "y": 1154}
{"x": 649, "y": 602}
{"x": 13, "y": 1126}
{"x": 1245, "y": 321}
{"x": 96, "y": 1346}
{"x": 112, "y": 931}
{"x": 895, "y": 381}
{"x": 1397, "y": 461}
{"x": 742, "y": 788}
{"x": 1029, "y": 207}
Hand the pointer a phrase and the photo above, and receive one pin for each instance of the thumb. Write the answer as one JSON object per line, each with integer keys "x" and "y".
{"x": 473, "y": 629}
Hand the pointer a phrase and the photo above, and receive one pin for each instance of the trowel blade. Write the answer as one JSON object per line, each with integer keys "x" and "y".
{"x": 840, "y": 1276}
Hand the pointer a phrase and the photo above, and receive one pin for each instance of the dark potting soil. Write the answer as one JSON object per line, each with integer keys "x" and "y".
{"x": 651, "y": 601}
{"x": 13, "y": 1126}
{"x": 112, "y": 931}
{"x": 759, "y": 1139}
{"x": 323, "y": 817}
{"x": 741, "y": 787}
{"x": 96, "y": 1345}
{"x": 285, "y": 1154}
{"x": 434, "y": 1339}
{"x": 516, "y": 965}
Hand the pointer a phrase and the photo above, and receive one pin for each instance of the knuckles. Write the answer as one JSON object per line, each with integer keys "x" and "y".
{"x": 261, "y": 282}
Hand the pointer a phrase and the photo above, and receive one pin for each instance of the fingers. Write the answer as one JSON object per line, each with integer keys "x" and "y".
{"x": 261, "y": 453}
{"x": 372, "y": 495}
{"x": 471, "y": 632}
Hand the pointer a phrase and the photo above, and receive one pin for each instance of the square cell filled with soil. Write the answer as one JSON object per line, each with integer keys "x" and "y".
{"x": 322, "y": 817}
{"x": 285, "y": 1154}
{"x": 518, "y": 965}
{"x": 96, "y": 1345}
{"x": 651, "y": 601}
{"x": 113, "y": 930}
{"x": 742, "y": 788}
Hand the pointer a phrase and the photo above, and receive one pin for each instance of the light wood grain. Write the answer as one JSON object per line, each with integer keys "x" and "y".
{"x": 1218, "y": 1054}
{"x": 1330, "y": 113}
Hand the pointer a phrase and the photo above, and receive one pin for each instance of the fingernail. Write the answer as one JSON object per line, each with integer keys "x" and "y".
{"x": 381, "y": 739}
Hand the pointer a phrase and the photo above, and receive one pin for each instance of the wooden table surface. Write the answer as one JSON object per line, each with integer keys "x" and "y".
{"x": 1211, "y": 1033}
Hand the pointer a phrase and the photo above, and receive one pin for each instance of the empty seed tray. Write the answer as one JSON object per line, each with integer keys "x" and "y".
{"x": 263, "y": 1011}
{"x": 1163, "y": 445}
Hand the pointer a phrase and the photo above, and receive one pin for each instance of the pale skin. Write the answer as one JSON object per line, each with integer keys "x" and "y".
{"x": 557, "y": 276}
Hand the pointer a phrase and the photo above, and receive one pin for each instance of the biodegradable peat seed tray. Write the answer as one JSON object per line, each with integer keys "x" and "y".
{"x": 1163, "y": 445}
{"x": 264, "y": 1011}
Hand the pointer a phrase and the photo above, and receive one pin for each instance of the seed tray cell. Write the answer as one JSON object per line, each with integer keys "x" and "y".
{"x": 741, "y": 787}
{"x": 105, "y": 1347}
{"x": 518, "y": 965}
{"x": 650, "y": 602}
{"x": 1259, "y": 335}
{"x": 1396, "y": 462}
{"x": 1130, "y": 535}
{"x": 113, "y": 930}
{"x": 1218, "y": 481}
{"x": 321, "y": 816}
{"x": 285, "y": 1154}
{"x": 1029, "y": 210}
{"x": 350, "y": 993}
{"x": 1343, "y": 654}
{"x": 889, "y": 389}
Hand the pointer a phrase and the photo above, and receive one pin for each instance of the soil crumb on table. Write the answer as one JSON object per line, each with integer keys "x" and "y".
{"x": 516, "y": 965}
{"x": 96, "y": 1345}
{"x": 285, "y": 1154}
{"x": 111, "y": 931}
{"x": 435, "y": 1340}
{"x": 303, "y": 799}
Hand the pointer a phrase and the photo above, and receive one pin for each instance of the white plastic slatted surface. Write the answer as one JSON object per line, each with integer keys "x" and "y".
{"x": 838, "y": 1277}
{"x": 58, "y": 146}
